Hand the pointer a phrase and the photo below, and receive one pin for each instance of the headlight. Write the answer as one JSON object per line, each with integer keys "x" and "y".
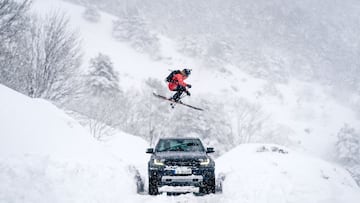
{"x": 204, "y": 162}
{"x": 159, "y": 162}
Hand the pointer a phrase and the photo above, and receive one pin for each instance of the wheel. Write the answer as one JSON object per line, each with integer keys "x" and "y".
{"x": 153, "y": 188}
{"x": 208, "y": 186}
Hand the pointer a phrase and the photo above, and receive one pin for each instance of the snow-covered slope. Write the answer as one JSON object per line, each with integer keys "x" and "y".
{"x": 271, "y": 173}
{"x": 97, "y": 38}
{"x": 45, "y": 156}
{"x": 26, "y": 124}
{"x": 304, "y": 113}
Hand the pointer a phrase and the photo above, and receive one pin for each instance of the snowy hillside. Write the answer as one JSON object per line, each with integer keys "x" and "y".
{"x": 301, "y": 114}
{"x": 45, "y": 156}
{"x": 96, "y": 38}
{"x": 48, "y": 157}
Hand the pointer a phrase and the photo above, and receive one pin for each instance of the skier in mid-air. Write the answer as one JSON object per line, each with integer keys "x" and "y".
{"x": 176, "y": 83}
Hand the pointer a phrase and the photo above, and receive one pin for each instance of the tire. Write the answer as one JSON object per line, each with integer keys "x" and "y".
{"x": 153, "y": 188}
{"x": 208, "y": 186}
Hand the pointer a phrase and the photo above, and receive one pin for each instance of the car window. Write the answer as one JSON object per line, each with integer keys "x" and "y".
{"x": 185, "y": 145}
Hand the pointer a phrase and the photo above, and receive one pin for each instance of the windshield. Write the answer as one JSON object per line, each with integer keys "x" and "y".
{"x": 183, "y": 145}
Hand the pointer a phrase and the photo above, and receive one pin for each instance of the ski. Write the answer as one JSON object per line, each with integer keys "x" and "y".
{"x": 179, "y": 102}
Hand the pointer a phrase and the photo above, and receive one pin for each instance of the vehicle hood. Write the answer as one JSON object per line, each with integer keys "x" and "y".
{"x": 181, "y": 155}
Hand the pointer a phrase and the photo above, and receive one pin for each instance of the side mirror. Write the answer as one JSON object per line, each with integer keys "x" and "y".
{"x": 210, "y": 150}
{"x": 150, "y": 150}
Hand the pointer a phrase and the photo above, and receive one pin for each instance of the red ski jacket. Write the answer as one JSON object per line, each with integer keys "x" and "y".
{"x": 178, "y": 79}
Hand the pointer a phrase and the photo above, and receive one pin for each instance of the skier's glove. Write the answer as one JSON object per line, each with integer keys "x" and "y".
{"x": 188, "y": 85}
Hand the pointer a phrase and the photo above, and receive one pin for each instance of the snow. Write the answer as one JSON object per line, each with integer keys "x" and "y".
{"x": 272, "y": 173}
{"x": 96, "y": 38}
{"x": 46, "y": 156}
{"x": 306, "y": 112}
{"x": 30, "y": 114}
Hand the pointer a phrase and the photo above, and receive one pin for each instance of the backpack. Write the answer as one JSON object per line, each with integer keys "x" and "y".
{"x": 169, "y": 78}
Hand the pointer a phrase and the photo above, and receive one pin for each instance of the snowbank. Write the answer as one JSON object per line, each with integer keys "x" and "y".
{"x": 270, "y": 173}
{"x": 45, "y": 156}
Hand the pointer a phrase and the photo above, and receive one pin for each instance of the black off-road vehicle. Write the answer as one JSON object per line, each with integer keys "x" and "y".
{"x": 181, "y": 165}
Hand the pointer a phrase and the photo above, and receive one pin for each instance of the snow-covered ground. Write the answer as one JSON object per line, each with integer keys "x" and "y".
{"x": 271, "y": 173}
{"x": 46, "y": 156}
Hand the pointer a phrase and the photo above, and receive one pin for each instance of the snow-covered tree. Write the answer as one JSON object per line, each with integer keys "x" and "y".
{"x": 101, "y": 100}
{"x": 13, "y": 23}
{"x": 133, "y": 29}
{"x": 348, "y": 146}
{"x": 102, "y": 80}
{"x": 11, "y": 17}
{"x": 91, "y": 15}
{"x": 355, "y": 173}
{"x": 348, "y": 150}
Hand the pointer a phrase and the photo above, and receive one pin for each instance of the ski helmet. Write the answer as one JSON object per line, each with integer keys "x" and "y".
{"x": 187, "y": 72}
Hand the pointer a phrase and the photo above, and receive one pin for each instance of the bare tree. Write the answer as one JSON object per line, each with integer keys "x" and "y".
{"x": 56, "y": 60}
{"x": 13, "y": 23}
{"x": 249, "y": 120}
{"x": 42, "y": 58}
{"x": 102, "y": 116}
{"x": 11, "y": 14}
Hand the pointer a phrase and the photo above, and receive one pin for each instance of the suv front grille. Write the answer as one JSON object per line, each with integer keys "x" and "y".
{"x": 182, "y": 162}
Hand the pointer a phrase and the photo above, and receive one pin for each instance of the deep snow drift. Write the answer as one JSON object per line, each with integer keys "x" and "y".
{"x": 271, "y": 173}
{"x": 45, "y": 156}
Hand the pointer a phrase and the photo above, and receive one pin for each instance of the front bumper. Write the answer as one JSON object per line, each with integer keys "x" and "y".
{"x": 179, "y": 189}
{"x": 167, "y": 177}
{"x": 178, "y": 180}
